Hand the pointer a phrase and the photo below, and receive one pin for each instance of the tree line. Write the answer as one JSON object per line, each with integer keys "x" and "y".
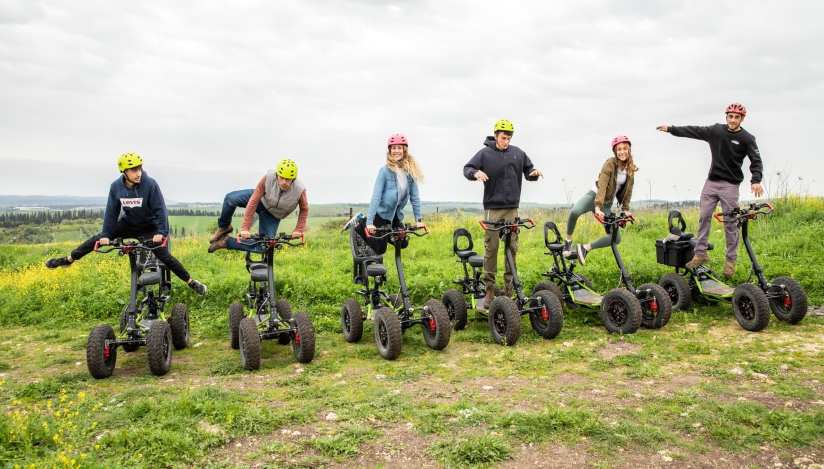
{"x": 15, "y": 219}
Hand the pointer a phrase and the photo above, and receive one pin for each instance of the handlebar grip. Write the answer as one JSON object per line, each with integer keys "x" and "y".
{"x": 165, "y": 239}
{"x": 715, "y": 215}
{"x": 482, "y": 225}
{"x": 600, "y": 220}
{"x": 96, "y": 245}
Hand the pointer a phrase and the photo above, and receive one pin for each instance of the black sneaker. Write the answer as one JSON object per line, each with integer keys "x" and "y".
{"x": 198, "y": 287}
{"x": 582, "y": 253}
{"x": 567, "y": 251}
{"x": 58, "y": 262}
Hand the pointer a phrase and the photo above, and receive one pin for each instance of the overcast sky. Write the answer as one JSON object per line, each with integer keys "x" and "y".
{"x": 212, "y": 94}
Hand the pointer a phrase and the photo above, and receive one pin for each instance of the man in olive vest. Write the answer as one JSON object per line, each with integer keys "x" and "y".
{"x": 277, "y": 195}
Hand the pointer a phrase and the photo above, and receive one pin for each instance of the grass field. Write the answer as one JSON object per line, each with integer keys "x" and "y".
{"x": 701, "y": 391}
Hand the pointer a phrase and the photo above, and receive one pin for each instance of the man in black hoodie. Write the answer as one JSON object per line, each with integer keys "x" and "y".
{"x": 499, "y": 166}
{"x": 729, "y": 145}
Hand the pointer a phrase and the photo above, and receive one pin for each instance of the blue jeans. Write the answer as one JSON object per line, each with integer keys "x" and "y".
{"x": 267, "y": 223}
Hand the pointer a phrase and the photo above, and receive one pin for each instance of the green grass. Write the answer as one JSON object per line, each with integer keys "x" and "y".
{"x": 700, "y": 385}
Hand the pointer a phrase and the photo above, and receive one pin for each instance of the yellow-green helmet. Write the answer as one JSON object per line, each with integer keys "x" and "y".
{"x": 287, "y": 169}
{"x": 504, "y": 125}
{"x": 129, "y": 160}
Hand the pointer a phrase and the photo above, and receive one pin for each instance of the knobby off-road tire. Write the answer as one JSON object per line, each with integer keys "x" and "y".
{"x": 303, "y": 342}
{"x": 678, "y": 289}
{"x": 439, "y": 338}
{"x": 235, "y": 316}
{"x": 159, "y": 348}
{"x": 124, "y": 322}
{"x": 551, "y": 327}
{"x": 455, "y": 305}
{"x": 795, "y": 296}
{"x": 351, "y": 319}
{"x": 249, "y": 339}
{"x": 659, "y": 318}
{"x": 620, "y": 311}
{"x": 552, "y": 287}
{"x": 504, "y": 321}
{"x": 388, "y": 334}
{"x": 100, "y": 366}
{"x": 285, "y": 314}
{"x": 751, "y": 307}
{"x": 180, "y": 326}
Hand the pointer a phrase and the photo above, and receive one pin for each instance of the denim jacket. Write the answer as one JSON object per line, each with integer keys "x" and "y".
{"x": 385, "y": 197}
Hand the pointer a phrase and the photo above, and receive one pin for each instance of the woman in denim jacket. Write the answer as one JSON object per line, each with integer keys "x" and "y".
{"x": 397, "y": 184}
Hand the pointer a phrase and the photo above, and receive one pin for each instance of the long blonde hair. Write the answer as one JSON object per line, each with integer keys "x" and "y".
{"x": 407, "y": 163}
{"x": 629, "y": 165}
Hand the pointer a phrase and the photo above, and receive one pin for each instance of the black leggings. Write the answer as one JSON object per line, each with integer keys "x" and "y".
{"x": 127, "y": 230}
{"x": 379, "y": 244}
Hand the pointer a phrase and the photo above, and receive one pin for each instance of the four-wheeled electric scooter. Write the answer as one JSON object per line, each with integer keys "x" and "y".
{"x": 624, "y": 308}
{"x": 751, "y": 301}
{"x": 504, "y": 314}
{"x": 392, "y": 314}
{"x": 143, "y": 322}
{"x": 268, "y": 318}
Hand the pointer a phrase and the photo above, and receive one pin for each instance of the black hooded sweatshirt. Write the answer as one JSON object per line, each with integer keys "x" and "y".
{"x": 728, "y": 151}
{"x": 504, "y": 169}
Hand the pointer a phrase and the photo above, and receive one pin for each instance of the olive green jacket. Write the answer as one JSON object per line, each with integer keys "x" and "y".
{"x": 608, "y": 180}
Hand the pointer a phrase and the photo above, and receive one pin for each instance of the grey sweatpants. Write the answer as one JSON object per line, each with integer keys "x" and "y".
{"x": 585, "y": 205}
{"x": 713, "y": 193}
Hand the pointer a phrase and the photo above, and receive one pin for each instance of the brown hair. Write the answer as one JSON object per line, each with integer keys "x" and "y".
{"x": 406, "y": 163}
{"x": 629, "y": 165}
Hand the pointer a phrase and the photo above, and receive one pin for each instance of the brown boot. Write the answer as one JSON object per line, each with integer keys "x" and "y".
{"x": 729, "y": 269}
{"x": 221, "y": 232}
{"x": 508, "y": 291}
{"x": 484, "y": 305}
{"x": 699, "y": 259}
{"x": 218, "y": 245}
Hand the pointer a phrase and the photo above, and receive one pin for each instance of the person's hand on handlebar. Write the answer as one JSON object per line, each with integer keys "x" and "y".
{"x": 599, "y": 213}
{"x": 158, "y": 238}
{"x": 244, "y": 234}
{"x": 419, "y": 224}
{"x": 104, "y": 241}
{"x": 371, "y": 229}
{"x": 296, "y": 234}
{"x": 627, "y": 213}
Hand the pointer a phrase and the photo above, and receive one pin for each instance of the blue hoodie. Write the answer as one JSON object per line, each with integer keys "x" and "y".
{"x": 142, "y": 205}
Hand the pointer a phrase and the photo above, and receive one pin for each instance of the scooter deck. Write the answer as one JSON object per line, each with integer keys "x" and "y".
{"x": 587, "y": 297}
{"x": 714, "y": 288}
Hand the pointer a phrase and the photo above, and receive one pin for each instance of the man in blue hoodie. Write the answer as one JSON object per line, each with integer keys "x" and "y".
{"x": 144, "y": 216}
{"x": 499, "y": 166}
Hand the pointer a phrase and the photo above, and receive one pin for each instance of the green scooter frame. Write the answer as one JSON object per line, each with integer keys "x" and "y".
{"x": 752, "y": 300}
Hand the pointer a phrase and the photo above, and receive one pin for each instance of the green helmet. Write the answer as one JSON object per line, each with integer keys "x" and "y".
{"x": 504, "y": 125}
{"x": 129, "y": 160}
{"x": 287, "y": 169}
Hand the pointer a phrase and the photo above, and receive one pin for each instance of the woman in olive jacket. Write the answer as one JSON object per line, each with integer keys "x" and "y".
{"x": 614, "y": 183}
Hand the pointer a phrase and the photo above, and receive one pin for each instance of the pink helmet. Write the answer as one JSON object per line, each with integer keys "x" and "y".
{"x": 397, "y": 139}
{"x": 620, "y": 139}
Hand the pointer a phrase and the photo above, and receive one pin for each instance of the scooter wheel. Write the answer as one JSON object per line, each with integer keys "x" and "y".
{"x": 351, "y": 318}
{"x": 792, "y": 307}
{"x": 303, "y": 342}
{"x": 235, "y": 316}
{"x": 620, "y": 311}
{"x": 546, "y": 285}
{"x": 437, "y": 339}
{"x": 388, "y": 335}
{"x": 249, "y": 344}
{"x": 504, "y": 321}
{"x": 100, "y": 366}
{"x": 678, "y": 290}
{"x": 284, "y": 310}
{"x": 180, "y": 326}
{"x": 159, "y": 348}
{"x": 751, "y": 307}
{"x": 455, "y": 305}
{"x": 550, "y": 327}
{"x": 656, "y": 306}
